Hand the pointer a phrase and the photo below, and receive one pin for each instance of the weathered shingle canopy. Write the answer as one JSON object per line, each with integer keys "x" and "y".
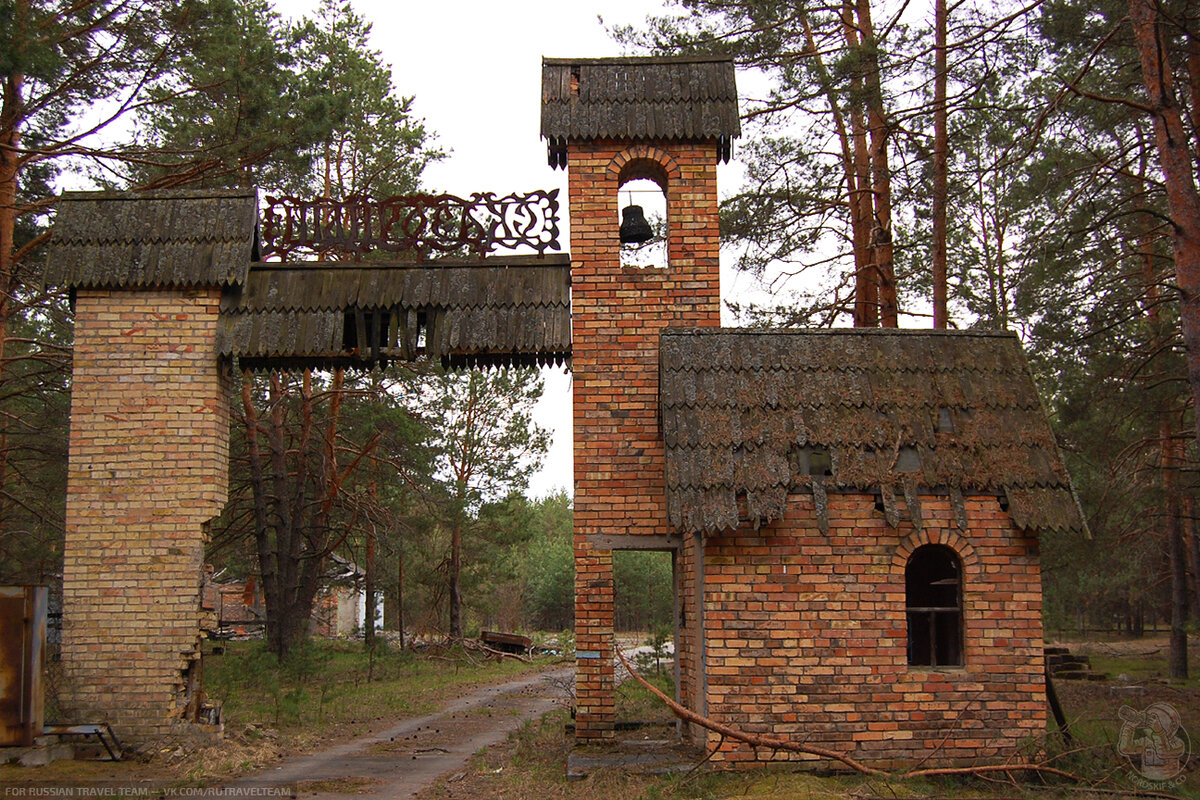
{"x": 499, "y": 310}
{"x": 678, "y": 97}
{"x": 160, "y": 239}
{"x": 482, "y": 311}
{"x": 751, "y": 415}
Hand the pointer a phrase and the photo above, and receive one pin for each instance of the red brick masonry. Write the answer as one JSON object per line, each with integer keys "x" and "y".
{"x": 617, "y": 314}
{"x": 805, "y": 636}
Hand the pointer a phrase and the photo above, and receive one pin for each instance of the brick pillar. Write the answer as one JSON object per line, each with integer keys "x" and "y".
{"x": 595, "y": 710}
{"x": 148, "y": 469}
{"x": 617, "y": 314}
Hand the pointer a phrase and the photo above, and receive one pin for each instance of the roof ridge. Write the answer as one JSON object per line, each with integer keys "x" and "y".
{"x": 694, "y": 58}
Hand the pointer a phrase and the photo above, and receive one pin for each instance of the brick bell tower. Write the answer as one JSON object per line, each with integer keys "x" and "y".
{"x": 611, "y": 121}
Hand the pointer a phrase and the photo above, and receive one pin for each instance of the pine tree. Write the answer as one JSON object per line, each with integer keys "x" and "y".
{"x": 488, "y": 446}
{"x": 235, "y": 109}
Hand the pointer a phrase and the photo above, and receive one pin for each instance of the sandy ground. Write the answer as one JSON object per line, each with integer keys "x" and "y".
{"x": 402, "y": 760}
{"x": 393, "y": 762}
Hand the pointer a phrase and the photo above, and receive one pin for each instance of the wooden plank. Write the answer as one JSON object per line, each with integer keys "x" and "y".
{"x": 625, "y": 541}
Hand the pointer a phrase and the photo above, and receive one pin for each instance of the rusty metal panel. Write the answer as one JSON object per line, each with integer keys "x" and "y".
{"x": 23, "y": 611}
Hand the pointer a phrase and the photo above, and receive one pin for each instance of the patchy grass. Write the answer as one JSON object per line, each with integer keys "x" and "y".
{"x": 328, "y": 692}
{"x": 531, "y": 765}
{"x": 338, "y": 786}
{"x": 337, "y": 685}
{"x": 336, "y": 690}
{"x": 635, "y": 703}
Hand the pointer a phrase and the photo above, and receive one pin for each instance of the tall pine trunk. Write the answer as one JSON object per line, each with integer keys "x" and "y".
{"x": 1183, "y": 202}
{"x": 866, "y": 285}
{"x": 1192, "y": 538}
{"x": 456, "y": 631}
{"x": 11, "y": 115}
{"x": 1175, "y": 158}
{"x": 882, "y": 258}
{"x": 1177, "y": 662}
{"x": 369, "y": 589}
{"x": 400, "y": 595}
{"x": 941, "y": 317}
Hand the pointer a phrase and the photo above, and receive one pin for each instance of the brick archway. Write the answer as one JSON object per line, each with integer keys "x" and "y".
{"x": 644, "y": 161}
{"x": 931, "y": 535}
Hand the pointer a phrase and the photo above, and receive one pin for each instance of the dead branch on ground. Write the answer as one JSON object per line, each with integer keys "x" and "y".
{"x": 776, "y": 743}
{"x": 471, "y": 644}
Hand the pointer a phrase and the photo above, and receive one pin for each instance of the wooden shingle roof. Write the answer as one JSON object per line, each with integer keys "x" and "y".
{"x": 482, "y": 311}
{"x": 500, "y": 310}
{"x": 751, "y": 415}
{"x": 680, "y": 97}
{"x": 126, "y": 240}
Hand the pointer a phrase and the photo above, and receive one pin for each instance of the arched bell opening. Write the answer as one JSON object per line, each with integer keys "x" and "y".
{"x": 644, "y": 219}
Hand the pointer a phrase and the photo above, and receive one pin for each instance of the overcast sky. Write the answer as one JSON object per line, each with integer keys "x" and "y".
{"x": 474, "y": 68}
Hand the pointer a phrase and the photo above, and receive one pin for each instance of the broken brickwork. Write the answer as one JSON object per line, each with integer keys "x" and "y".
{"x": 148, "y": 470}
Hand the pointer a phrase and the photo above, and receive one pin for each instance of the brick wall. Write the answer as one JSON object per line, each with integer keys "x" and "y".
{"x": 805, "y": 636}
{"x": 617, "y": 314}
{"x": 148, "y": 469}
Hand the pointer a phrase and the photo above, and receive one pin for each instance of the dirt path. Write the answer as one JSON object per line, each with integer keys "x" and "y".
{"x": 400, "y": 761}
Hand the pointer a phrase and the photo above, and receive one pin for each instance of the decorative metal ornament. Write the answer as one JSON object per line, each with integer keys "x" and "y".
{"x": 417, "y": 225}
{"x": 634, "y": 227}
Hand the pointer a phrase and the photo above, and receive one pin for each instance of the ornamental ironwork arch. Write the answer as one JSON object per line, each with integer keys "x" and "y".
{"x": 419, "y": 225}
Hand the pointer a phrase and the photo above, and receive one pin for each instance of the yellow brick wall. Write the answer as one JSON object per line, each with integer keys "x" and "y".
{"x": 148, "y": 469}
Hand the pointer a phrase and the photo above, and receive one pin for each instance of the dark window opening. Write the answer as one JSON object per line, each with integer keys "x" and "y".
{"x": 813, "y": 460}
{"x": 908, "y": 459}
{"x": 933, "y": 599}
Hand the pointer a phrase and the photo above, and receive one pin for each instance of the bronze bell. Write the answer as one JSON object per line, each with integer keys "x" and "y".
{"x": 634, "y": 228}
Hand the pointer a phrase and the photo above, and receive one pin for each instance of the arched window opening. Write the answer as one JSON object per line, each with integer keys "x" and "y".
{"x": 648, "y": 198}
{"x": 933, "y": 597}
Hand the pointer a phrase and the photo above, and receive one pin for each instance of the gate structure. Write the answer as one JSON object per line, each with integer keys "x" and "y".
{"x": 170, "y": 296}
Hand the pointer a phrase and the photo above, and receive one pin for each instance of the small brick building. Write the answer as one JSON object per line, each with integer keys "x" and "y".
{"x": 853, "y": 514}
{"x": 860, "y": 511}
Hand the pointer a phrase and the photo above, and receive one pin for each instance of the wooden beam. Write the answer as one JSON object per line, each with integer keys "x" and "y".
{"x": 615, "y": 541}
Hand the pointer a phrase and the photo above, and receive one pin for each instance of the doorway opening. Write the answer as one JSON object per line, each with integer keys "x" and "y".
{"x": 646, "y": 625}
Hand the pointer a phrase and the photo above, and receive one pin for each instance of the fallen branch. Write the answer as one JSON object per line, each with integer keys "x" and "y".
{"x": 982, "y": 770}
{"x": 474, "y": 645}
{"x": 754, "y": 740}
{"x": 776, "y": 743}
